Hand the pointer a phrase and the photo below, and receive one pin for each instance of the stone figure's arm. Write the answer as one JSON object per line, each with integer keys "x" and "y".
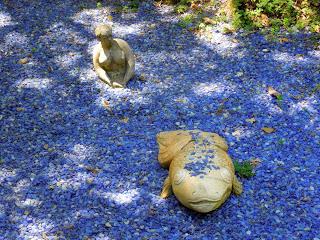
{"x": 130, "y": 65}
{"x": 99, "y": 70}
{"x": 130, "y": 60}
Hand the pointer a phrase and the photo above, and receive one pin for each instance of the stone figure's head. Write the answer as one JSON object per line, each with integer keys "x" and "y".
{"x": 202, "y": 193}
{"x": 104, "y": 33}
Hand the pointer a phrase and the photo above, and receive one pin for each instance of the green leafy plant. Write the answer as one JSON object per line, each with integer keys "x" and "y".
{"x": 279, "y": 97}
{"x": 181, "y": 8}
{"x": 133, "y": 6}
{"x": 99, "y": 4}
{"x": 276, "y": 14}
{"x": 243, "y": 169}
{"x": 186, "y": 21}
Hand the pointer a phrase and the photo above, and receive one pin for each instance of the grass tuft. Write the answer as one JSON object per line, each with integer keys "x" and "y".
{"x": 244, "y": 169}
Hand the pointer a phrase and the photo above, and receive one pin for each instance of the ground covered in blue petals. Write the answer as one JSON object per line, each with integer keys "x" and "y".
{"x": 79, "y": 160}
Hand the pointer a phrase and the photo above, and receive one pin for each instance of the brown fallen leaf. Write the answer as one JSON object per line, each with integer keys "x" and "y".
{"x": 283, "y": 40}
{"x": 268, "y": 129}
{"x": 69, "y": 226}
{"x": 124, "y": 120}
{"x": 207, "y": 20}
{"x": 106, "y": 105}
{"x": 265, "y": 20}
{"x": 194, "y": 6}
{"x": 273, "y": 92}
{"x": 23, "y": 60}
{"x": 227, "y": 30}
{"x": 142, "y": 77}
{"x": 255, "y": 162}
{"x": 220, "y": 110}
{"x": 89, "y": 180}
{"x": 181, "y": 100}
{"x": 20, "y": 109}
{"x": 92, "y": 169}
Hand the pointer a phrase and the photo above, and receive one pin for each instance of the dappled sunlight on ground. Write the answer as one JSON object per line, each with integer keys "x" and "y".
{"x": 78, "y": 159}
{"x": 73, "y": 183}
{"x": 309, "y": 105}
{"x": 265, "y": 100}
{"x": 6, "y": 173}
{"x": 79, "y": 153}
{"x": 35, "y": 83}
{"x": 290, "y": 59}
{"x": 67, "y": 60}
{"x": 15, "y": 39}
{"x": 132, "y": 29}
{"x": 29, "y": 202}
{"x": 242, "y": 132}
{"x": 221, "y": 42}
{"x": 86, "y": 16}
{"x": 6, "y": 19}
{"x": 212, "y": 89}
{"x": 36, "y": 227}
{"x": 124, "y": 197}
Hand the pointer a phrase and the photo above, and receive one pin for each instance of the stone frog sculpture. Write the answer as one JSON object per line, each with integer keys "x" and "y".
{"x": 201, "y": 174}
{"x": 113, "y": 59}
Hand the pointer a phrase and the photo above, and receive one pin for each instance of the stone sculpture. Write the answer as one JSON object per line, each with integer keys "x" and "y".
{"x": 201, "y": 173}
{"x": 113, "y": 58}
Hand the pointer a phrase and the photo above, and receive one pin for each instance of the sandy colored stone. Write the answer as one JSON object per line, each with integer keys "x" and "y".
{"x": 201, "y": 173}
{"x": 23, "y": 60}
{"x": 113, "y": 58}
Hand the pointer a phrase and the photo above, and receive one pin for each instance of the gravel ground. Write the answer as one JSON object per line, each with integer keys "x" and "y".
{"x": 79, "y": 160}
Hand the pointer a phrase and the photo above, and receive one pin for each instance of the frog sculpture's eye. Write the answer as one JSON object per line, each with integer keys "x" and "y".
{"x": 226, "y": 175}
{"x": 179, "y": 176}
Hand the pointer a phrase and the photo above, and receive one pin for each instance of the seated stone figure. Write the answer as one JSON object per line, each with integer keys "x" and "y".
{"x": 113, "y": 58}
{"x": 201, "y": 173}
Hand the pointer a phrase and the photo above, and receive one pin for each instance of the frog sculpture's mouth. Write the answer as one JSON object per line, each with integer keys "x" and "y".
{"x": 204, "y": 205}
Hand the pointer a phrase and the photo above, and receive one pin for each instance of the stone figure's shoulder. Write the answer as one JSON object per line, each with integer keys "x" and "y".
{"x": 121, "y": 41}
{"x": 123, "y": 44}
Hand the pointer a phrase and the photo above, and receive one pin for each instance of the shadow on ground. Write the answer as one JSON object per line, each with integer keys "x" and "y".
{"x": 72, "y": 169}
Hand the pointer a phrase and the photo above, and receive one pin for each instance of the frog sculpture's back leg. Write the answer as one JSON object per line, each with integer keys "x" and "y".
{"x": 170, "y": 143}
